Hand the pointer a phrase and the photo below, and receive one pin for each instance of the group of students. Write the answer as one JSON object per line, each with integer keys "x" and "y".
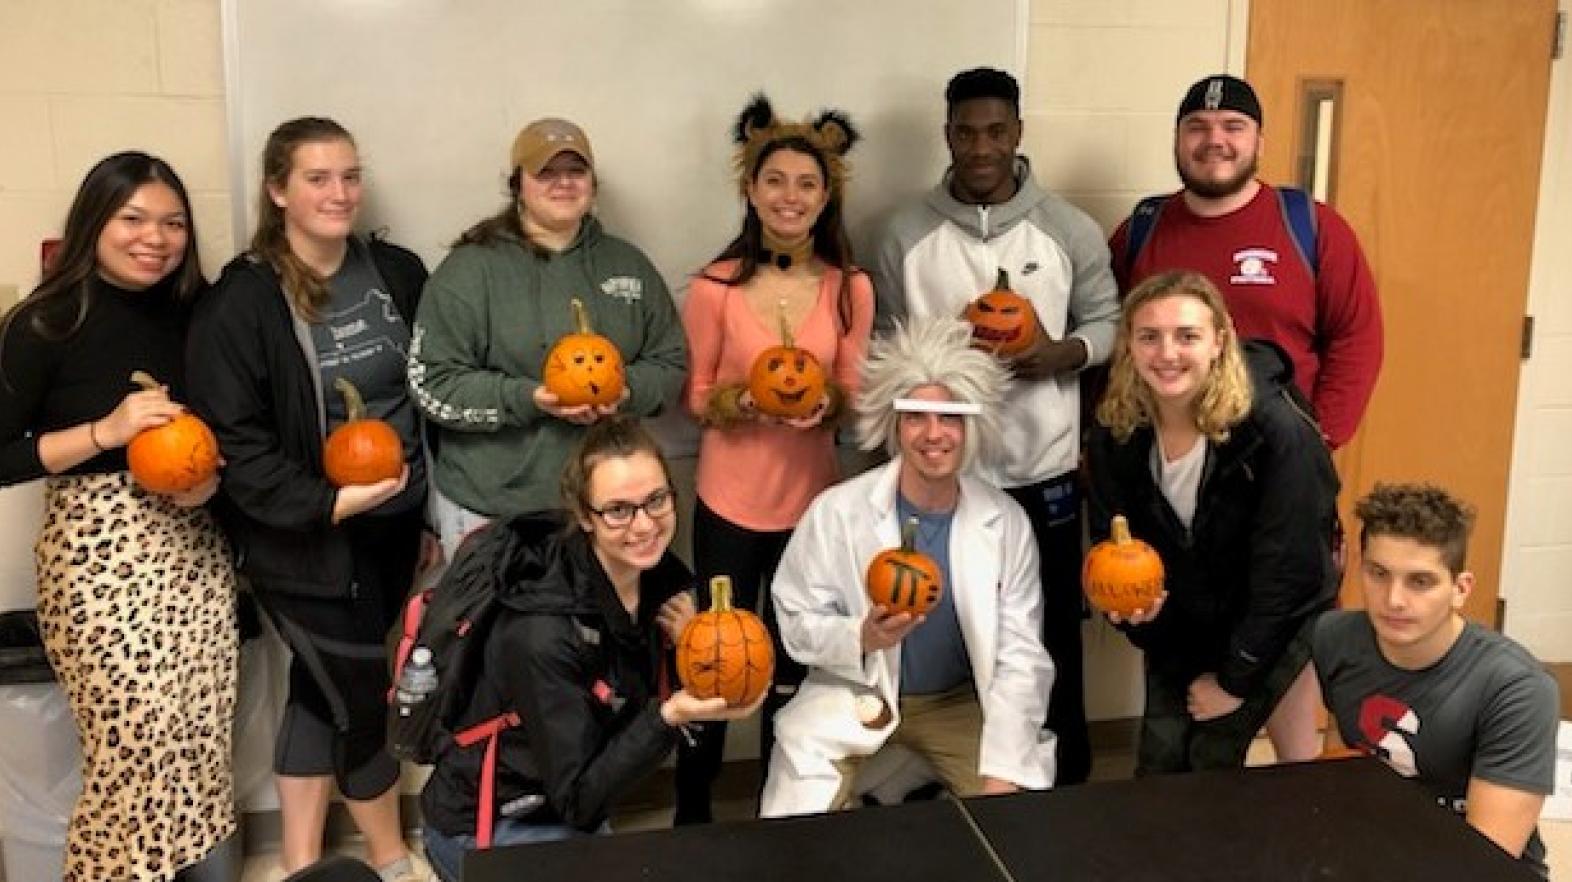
{"x": 1200, "y": 438}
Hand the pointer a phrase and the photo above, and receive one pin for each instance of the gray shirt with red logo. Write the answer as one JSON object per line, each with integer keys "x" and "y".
{"x": 1486, "y": 710}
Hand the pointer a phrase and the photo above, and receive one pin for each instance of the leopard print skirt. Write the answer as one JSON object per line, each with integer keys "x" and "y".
{"x": 136, "y": 602}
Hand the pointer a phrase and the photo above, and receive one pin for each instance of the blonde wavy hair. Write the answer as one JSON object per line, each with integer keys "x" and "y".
{"x": 1224, "y": 400}
{"x": 932, "y": 351}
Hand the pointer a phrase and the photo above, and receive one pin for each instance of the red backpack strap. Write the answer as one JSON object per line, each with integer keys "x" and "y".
{"x": 486, "y": 805}
{"x": 414, "y": 611}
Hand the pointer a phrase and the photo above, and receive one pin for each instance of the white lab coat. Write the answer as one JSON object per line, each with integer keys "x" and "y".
{"x": 820, "y": 604}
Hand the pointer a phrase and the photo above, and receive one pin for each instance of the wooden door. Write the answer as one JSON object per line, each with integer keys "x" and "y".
{"x": 1437, "y": 151}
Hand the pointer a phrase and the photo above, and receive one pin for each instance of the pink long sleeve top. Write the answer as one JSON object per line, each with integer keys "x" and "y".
{"x": 762, "y": 477}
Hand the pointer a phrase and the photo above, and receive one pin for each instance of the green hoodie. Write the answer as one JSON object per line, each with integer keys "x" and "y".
{"x": 487, "y": 318}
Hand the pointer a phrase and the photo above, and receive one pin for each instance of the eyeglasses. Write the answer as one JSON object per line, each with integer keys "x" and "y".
{"x": 620, "y": 514}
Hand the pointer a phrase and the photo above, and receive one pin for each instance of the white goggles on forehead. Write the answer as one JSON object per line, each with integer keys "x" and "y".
{"x": 919, "y": 405}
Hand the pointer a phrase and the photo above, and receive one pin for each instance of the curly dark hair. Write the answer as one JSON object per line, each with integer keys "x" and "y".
{"x": 1425, "y": 513}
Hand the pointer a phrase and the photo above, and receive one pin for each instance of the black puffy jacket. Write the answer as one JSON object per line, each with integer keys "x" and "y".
{"x": 583, "y": 676}
{"x": 1257, "y": 560}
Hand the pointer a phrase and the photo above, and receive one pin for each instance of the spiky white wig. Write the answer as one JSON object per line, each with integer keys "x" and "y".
{"x": 932, "y": 350}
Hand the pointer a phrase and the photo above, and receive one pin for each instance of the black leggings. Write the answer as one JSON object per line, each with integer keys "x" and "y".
{"x": 749, "y": 557}
{"x": 335, "y": 721}
{"x": 1054, "y": 508}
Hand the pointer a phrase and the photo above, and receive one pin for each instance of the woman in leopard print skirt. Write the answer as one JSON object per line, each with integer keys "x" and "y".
{"x": 135, "y": 588}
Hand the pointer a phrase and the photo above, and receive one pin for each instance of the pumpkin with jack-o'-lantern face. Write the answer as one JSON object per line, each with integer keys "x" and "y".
{"x": 584, "y": 368}
{"x": 785, "y": 381}
{"x": 1003, "y": 321}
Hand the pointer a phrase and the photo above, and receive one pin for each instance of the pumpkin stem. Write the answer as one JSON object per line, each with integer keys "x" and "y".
{"x": 909, "y": 534}
{"x": 353, "y": 403}
{"x": 780, "y": 312}
{"x": 720, "y": 594}
{"x": 581, "y": 316}
{"x": 1002, "y": 281}
{"x": 1121, "y": 530}
{"x": 145, "y": 380}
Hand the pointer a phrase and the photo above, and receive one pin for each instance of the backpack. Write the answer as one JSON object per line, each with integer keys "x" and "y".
{"x": 1298, "y": 216}
{"x": 452, "y": 619}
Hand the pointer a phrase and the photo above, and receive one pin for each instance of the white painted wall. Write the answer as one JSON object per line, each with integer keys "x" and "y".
{"x": 1536, "y": 572}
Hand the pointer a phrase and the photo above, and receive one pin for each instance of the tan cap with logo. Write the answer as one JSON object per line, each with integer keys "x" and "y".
{"x": 542, "y": 139}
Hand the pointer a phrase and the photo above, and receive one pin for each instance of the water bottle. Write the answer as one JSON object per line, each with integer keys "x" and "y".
{"x": 415, "y": 686}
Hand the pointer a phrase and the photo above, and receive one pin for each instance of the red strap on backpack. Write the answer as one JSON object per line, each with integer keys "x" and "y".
{"x": 414, "y": 611}
{"x": 486, "y": 809}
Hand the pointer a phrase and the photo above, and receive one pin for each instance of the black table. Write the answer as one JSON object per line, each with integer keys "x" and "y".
{"x": 926, "y": 840}
{"x": 1343, "y": 820}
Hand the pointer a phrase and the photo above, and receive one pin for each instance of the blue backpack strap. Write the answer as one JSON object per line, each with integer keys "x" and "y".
{"x": 1299, "y": 216}
{"x": 1143, "y": 220}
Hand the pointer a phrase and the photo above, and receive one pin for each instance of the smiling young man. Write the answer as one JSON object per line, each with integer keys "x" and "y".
{"x": 987, "y": 214}
{"x": 1467, "y": 712}
{"x": 1236, "y": 230}
{"x": 965, "y": 685}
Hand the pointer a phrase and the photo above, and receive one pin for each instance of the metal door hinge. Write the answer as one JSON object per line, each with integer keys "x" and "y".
{"x": 1558, "y": 40}
{"x": 1526, "y": 346}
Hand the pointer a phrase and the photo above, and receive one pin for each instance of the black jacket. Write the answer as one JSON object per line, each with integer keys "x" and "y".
{"x": 560, "y": 631}
{"x": 1256, "y": 563}
{"x": 249, "y": 379}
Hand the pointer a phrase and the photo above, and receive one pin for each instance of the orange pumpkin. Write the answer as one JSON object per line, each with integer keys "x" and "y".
{"x": 1003, "y": 321}
{"x": 904, "y": 579}
{"x": 361, "y": 451}
{"x": 584, "y": 367}
{"x": 725, "y": 652}
{"x": 1121, "y": 574}
{"x": 785, "y": 381}
{"x": 175, "y": 457}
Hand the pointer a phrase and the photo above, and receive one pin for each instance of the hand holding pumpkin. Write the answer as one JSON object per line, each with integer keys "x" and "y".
{"x": 683, "y": 708}
{"x": 143, "y": 409}
{"x": 1139, "y": 616}
{"x": 199, "y": 495}
{"x": 882, "y": 629}
{"x": 579, "y": 414}
{"x": 354, "y": 499}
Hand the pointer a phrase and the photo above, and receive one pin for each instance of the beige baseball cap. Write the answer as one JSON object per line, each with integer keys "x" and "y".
{"x": 542, "y": 139}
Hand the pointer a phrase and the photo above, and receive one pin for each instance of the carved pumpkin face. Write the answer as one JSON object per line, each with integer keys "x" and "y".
{"x": 584, "y": 368}
{"x": 361, "y": 451}
{"x": 1122, "y": 575}
{"x": 1003, "y": 321}
{"x": 786, "y": 382}
{"x": 725, "y": 652}
{"x": 178, "y": 456}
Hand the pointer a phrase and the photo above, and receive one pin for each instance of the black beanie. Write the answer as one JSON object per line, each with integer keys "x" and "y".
{"x": 1220, "y": 92}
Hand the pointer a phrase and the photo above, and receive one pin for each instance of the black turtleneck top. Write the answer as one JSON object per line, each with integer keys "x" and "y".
{"x": 50, "y": 384}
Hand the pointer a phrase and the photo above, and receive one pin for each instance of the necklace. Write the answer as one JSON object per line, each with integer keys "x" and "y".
{"x": 782, "y": 255}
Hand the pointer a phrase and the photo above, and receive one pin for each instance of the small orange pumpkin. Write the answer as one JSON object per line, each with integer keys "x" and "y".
{"x": 725, "y": 652}
{"x": 174, "y": 457}
{"x": 1121, "y": 574}
{"x": 584, "y": 367}
{"x": 785, "y": 381}
{"x": 904, "y": 579}
{"x": 1003, "y": 321}
{"x": 361, "y": 451}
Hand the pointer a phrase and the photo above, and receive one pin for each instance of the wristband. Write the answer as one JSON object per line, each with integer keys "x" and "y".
{"x": 92, "y": 435}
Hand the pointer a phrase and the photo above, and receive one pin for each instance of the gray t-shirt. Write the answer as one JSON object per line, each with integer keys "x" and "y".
{"x": 362, "y": 338}
{"x": 1486, "y": 710}
{"x": 933, "y": 655}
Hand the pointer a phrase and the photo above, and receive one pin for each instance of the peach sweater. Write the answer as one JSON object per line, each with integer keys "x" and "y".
{"x": 762, "y": 477}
